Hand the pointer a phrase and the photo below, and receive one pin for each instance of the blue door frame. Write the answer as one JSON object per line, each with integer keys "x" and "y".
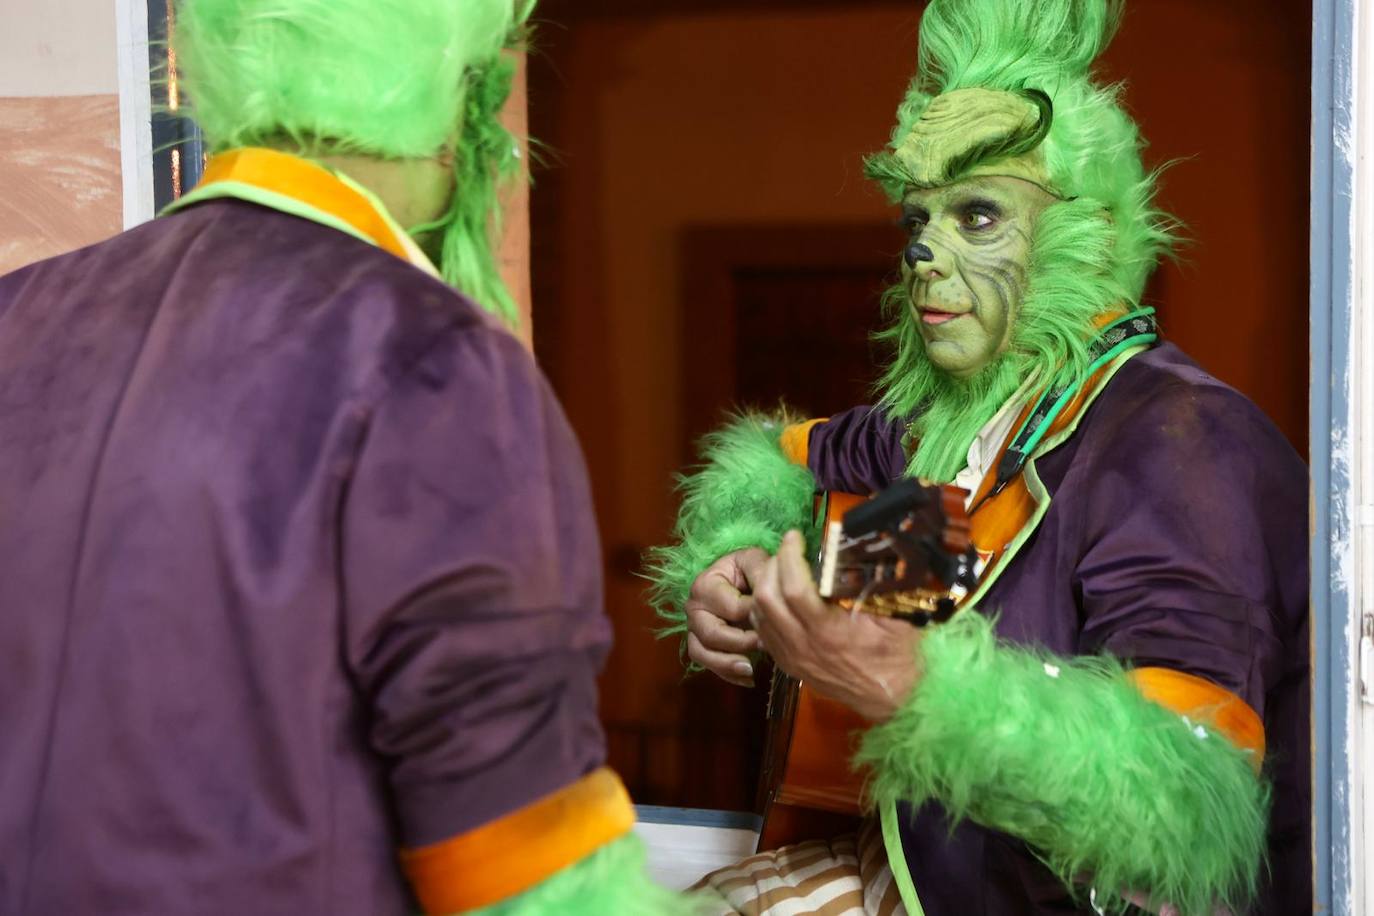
{"x": 1333, "y": 31}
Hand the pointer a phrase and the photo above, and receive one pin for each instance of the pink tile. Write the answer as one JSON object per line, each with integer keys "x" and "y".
{"x": 59, "y": 175}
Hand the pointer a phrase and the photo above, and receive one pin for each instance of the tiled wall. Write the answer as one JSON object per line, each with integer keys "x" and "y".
{"x": 59, "y": 128}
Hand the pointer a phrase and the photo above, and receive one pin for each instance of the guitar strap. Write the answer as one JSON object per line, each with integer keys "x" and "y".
{"x": 1131, "y": 330}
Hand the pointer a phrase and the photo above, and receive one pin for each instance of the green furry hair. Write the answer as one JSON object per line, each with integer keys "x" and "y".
{"x": 746, "y": 494}
{"x": 1091, "y": 252}
{"x": 381, "y": 78}
{"x": 1067, "y": 755}
{"x": 488, "y": 155}
{"x": 611, "y": 880}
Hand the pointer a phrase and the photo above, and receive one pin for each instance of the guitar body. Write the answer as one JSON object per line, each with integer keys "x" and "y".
{"x": 808, "y": 787}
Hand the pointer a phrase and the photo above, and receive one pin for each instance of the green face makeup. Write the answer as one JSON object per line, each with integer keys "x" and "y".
{"x": 966, "y": 266}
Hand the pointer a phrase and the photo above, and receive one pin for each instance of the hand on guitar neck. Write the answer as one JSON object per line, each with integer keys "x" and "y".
{"x": 719, "y": 635}
{"x": 868, "y": 663}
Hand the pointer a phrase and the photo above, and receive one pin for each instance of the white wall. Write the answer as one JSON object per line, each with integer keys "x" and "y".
{"x": 57, "y": 48}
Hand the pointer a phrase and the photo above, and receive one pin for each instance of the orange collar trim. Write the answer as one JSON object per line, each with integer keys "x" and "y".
{"x": 281, "y": 180}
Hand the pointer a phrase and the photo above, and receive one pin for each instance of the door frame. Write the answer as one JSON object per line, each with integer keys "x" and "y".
{"x": 1341, "y": 448}
{"x": 135, "y": 110}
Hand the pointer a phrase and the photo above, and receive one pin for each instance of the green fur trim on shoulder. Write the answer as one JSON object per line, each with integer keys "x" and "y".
{"x": 1066, "y": 754}
{"x": 746, "y": 494}
{"x": 610, "y": 881}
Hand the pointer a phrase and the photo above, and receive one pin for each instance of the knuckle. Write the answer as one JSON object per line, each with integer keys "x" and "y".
{"x": 698, "y": 589}
{"x": 722, "y": 565}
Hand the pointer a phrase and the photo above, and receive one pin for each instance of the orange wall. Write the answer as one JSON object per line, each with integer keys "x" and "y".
{"x": 658, "y": 123}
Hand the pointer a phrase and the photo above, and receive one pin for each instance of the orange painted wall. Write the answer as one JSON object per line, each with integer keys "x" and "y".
{"x": 657, "y": 123}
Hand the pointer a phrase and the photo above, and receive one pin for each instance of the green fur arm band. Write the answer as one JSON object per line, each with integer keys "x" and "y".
{"x": 746, "y": 494}
{"x": 611, "y": 881}
{"x": 1110, "y": 789}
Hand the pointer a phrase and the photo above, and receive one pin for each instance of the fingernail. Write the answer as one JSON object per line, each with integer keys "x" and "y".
{"x": 744, "y": 669}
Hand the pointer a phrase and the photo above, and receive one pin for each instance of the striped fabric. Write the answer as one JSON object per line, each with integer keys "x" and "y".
{"x": 846, "y": 876}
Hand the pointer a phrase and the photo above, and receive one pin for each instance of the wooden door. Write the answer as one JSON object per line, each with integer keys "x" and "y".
{"x": 789, "y": 312}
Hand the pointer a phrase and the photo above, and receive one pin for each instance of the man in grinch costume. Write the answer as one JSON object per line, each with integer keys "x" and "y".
{"x": 1117, "y": 716}
{"x": 300, "y": 597}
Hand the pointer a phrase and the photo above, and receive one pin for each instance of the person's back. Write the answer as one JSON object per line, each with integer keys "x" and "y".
{"x": 300, "y": 590}
{"x": 204, "y": 467}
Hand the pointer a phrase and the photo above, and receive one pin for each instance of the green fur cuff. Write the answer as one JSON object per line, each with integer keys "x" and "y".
{"x": 747, "y": 494}
{"x": 1065, "y": 754}
{"x": 611, "y": 881}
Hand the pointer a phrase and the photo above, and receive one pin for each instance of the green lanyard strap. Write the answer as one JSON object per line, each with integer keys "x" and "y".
{"x": 1135, "y": 329}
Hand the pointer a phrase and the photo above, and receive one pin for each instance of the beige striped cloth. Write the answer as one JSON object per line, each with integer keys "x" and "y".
{"x": 846, "y": 876}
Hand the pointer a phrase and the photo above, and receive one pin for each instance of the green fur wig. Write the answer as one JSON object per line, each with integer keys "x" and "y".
{"x": 1111, "y": 790}
{"x": 1091, "y": 252}
{"x": 609, "y": 881}
{"x": 389, "y": 79}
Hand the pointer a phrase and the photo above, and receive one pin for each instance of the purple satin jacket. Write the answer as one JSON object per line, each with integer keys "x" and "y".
{"x": 297, "y": 566}
{"x": 1176, "y": 537}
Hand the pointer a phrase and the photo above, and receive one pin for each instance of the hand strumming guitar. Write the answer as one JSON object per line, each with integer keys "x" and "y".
{"x": 718, "y": 610}
{"x": 870, "y": 664}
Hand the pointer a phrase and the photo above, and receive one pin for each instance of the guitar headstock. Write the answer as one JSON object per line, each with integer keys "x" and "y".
{"x": 906, "y": 552}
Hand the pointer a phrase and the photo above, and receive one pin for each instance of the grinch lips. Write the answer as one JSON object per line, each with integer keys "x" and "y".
{"x": 936, "y": 316}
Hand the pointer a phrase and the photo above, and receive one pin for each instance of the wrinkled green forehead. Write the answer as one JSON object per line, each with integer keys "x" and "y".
{"x": 959, "y": 133}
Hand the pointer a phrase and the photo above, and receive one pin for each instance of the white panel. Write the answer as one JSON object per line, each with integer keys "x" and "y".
{"x": 57, "y": 47}
{"x": 135, "y": 111}
{"x": 678, "y": 855}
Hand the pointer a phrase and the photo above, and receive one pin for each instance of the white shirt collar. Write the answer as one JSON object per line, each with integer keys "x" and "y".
{"x": 982, "y": 451}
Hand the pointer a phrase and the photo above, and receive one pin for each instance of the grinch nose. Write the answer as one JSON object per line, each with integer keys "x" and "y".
{"x": 917, "y": 252}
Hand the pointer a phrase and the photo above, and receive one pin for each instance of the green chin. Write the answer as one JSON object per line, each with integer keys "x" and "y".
{"x": 959, "y": 348}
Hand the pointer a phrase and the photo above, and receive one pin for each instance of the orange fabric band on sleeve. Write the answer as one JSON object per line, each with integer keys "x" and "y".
{"x": 509, "y": 856}
{"x": 1205, "y": 702}
{"x": 796, "y": 441}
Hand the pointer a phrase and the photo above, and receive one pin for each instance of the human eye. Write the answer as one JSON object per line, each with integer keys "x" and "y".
{"x": 914, "y": 220}
{"x": 979, "y": 215}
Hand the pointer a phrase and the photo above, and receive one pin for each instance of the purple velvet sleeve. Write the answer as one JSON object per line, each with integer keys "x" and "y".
{"x": 859, "y": 450}
{"x": 1195, "y": 538}
{"x": 474, "y": 618}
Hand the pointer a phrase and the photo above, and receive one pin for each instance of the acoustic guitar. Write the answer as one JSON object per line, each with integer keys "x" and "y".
{"x": 905, "y": 553}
